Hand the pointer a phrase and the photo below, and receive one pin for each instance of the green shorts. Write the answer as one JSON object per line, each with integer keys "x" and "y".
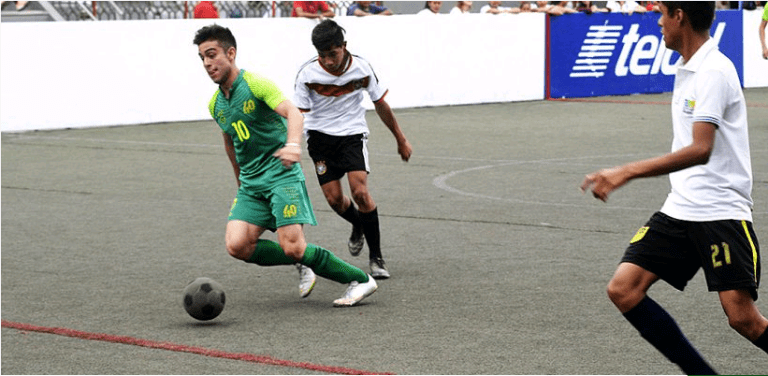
{"x": 286, "y": 204}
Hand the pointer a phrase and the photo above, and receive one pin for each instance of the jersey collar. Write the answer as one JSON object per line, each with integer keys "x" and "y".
{"x": 235, "y": 83}
{"x": 346, "y": 68}
{"x": 239, "y": 79}
{"x": 698, "y": 58}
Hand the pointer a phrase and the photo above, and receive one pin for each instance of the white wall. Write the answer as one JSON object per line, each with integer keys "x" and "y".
{"x": 83, "y": 74}
{"x": 755, "y": 67}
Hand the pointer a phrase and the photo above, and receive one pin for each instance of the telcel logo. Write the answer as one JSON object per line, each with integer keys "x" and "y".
{"x": 639, "y": 56}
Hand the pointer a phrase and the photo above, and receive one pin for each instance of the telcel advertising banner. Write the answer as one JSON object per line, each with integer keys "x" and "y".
{"x": 619, "y": 54}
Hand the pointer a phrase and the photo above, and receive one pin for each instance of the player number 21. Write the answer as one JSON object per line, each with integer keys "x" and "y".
{"x": 716, "y": 253}
{"x": 242, "y": 130}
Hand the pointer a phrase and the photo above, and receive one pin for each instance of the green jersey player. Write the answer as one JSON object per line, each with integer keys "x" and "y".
{"x": 264, "y": 151}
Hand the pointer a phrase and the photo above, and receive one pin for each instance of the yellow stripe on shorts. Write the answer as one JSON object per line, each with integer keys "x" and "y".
{"x": 752, "y": 245}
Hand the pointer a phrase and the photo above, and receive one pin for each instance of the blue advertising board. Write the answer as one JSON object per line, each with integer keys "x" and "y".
{"x": 618, "y": 54}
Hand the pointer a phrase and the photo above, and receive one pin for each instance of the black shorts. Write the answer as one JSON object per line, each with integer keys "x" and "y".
{"x": 334, "y": 156}
{"x": 674, "y": 250}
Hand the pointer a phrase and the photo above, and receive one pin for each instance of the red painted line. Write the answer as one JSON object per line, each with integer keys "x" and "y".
{"x": 261, "y": 359}
{"x": 590, "y": 100}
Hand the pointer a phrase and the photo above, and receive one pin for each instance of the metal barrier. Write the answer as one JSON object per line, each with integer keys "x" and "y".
{"x": 149, "y": 10}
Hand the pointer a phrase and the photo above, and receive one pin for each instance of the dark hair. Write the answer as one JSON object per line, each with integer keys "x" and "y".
{"x": 700, "y": 13}
{"x": 327, "y": 35}
{"x": 218, "y": 33}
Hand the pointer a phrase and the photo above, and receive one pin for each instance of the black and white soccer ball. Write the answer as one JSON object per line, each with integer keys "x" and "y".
{"x": 204, "y": 299}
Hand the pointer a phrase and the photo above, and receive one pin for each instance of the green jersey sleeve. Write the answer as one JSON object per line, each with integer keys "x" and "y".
{"x": 264, "y": 89}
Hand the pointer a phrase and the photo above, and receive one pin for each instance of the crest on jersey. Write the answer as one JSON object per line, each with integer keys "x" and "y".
{"x": 321, "y": 168}
{"x": 689, "y": 106}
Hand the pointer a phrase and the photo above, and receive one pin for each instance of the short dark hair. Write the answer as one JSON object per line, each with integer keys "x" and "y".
{"x": 327, "y": 34}
{"x": 700, "y": 13}
{"x": 218, "y": 33}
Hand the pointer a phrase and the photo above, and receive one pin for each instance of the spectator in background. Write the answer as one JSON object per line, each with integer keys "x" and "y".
{"x": 652, "y": 6}
{"x": 494, "y": 7}
{"x": 525, "y": 7}
{"x": 462, "y": 7}
{"x": 431, "y": 8}
{"x": 551, "y": 9}
{"x": 367, "y": 8}
{"x": 18, "y": 5}
{"x": 763, "y": 24}
{"x": 588, "y": 7}
{"x": 205, "y": 9}
{"x": 627, "y": 7}
{"x": 312, "y": 9}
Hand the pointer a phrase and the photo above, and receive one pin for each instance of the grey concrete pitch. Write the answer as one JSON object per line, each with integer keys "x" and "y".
{"x": 499, "y": 262}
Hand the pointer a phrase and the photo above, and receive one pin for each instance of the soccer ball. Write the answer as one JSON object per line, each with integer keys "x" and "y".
{"x": 204, "y": 299}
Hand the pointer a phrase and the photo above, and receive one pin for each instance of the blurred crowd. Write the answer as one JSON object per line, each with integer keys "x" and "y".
{"x": 329, "y": 9}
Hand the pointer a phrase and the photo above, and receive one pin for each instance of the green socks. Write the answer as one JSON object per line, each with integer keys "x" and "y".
{"x": 322, "y": 261}
{"x": 325, "y": 264}
{"x": 269, "y": 253}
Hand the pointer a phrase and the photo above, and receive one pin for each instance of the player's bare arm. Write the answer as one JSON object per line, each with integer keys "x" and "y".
{"x": 229, "y": 146}
{"x": 605, "y": 181}
{"x": 388, "y": 117}
{"x": 301, "y": 13}
{"x": 291, "y": 152}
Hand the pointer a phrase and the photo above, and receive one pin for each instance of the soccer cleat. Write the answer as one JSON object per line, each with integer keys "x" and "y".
{"x": 356, "y": 292}
{"x": 378, "y": 270}
{"x": 356, "y": 241}
{"x": 307, "y": 280}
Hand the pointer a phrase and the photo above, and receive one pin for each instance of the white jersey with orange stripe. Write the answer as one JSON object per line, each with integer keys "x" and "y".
{"x": 333, "y": 103}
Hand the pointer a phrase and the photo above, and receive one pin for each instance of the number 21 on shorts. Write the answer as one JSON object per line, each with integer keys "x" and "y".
{"x": 716, "y": 255}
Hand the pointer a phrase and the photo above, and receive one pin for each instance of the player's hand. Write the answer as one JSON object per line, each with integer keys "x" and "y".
{"x": 288, "y": 155}
{"x": 765, "y": 53}
{"x": 603, "y": 182}
{"x": 405, "y": 150}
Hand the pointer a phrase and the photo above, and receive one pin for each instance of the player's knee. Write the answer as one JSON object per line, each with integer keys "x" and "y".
{"x": 293, "y": 249}
{"x": 743, "y": 324}
{"x": 362, "y": 198}
{"x": 336, "y": 202}
{"x": 617, "y": 293}
{"x": 239, "y": 250}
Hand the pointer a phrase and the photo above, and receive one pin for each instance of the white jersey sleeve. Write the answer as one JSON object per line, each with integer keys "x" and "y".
{"x": 301, "y": 92}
